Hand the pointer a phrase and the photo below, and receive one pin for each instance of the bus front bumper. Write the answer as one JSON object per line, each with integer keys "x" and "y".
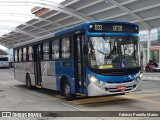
{"x": 111, "y": 88}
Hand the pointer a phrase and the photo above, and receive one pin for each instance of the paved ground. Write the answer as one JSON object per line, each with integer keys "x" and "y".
{"x": 14, "y": 96}
{"x": 151, "y": 76}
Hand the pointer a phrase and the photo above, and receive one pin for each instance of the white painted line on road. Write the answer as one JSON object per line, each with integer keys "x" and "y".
{"x": 142, "y": 97}
{"x": 72, "y": 107}
{"x": 3, "y": 83}
{"x": 36, "y": 94}
{"x": 21, "y": 89}
{"x": 9, "y": 85}
{"x": 15, "y": 87}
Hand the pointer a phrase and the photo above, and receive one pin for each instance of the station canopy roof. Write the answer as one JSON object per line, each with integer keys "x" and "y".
{"x": 66, "y": 13}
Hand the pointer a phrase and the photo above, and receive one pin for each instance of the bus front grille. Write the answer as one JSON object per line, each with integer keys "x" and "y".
{"x": 114, "y": 89}
{"x": 110, "y": 82}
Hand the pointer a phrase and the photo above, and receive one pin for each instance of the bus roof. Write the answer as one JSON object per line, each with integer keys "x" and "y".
{"x": 83, "y": 26}
{"x": 71, "y": 29}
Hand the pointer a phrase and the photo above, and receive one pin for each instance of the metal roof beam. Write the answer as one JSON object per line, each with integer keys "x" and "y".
{"x": 49, "y": 21}
{"x": 149, "y": 18}
{"x": 57, "y": 20}
{"x": 72, "y": 2}
{"x": 23, "y": 15}
{"x": 18, "y": 30}
{"x": 61, "y": 8}
{"x": 119, "y": 15}
{"x": 88, "y": 5}
{"x": 134, "y": 15}
{"x": 148, "y": 7}
{"x": 72, "y": 12}
{"x": 64, "y": 25}
{"x": 22, "y": 23}
{"x": 138, "y": 10}
{"x": 77, "y": 10}
{"x": 109, "y": 8}
{"x": 14, "y": 40}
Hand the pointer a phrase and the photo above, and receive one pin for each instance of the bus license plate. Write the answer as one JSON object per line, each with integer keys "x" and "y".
{"x": 121, "y": 87}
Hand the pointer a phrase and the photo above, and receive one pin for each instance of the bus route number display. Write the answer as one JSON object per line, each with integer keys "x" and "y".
{"x": 117, "y": 28}
{"x": 98, "y": 27}
{"x": 110, "y": 27}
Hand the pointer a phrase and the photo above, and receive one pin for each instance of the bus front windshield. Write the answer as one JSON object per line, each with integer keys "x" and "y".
{"x": 113, "y": 52}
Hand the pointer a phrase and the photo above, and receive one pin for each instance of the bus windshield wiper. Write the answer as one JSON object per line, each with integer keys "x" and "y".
{"x": 105, "y": 38}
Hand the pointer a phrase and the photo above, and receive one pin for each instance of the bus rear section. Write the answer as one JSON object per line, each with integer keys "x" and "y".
{"x": 4, "y": 63}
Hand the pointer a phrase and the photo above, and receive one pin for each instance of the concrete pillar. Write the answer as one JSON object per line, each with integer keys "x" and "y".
{"x": 148, "y": 45}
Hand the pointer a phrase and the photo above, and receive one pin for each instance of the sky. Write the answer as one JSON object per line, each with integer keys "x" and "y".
{"x": 2, "y": 47}
{"x": 15, "y": 13}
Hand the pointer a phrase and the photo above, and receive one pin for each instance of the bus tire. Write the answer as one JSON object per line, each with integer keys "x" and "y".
{"x": 28, "y": 81}
{"x": 67, "y": 91}
{"x": 122, "y": 93}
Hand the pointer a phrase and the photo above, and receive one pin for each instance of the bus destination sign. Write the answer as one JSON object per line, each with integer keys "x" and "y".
{"x": 113, "y": 28}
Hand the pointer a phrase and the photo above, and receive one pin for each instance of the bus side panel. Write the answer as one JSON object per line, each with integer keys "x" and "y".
{"x": 58, "y": 74}
{"x": 19, "y": 72}
{"x": 22, "y": 68}
{"x": 65, "y": 68}
{"x": 48, "y": 75}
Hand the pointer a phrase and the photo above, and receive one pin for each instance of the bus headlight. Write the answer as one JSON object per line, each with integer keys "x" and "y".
{"x": 93, "y": 79}
{"x": 141, "y": 75}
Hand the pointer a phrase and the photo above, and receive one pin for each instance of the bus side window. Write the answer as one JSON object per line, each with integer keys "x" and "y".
{"x": 15, "y": 56}
{"x": 83, "y": 39}
{"x": 66, "y": 48}
{"x": 78, "y": 48}
{"x": 30, "y": 52}
{"x": 20, "y": 55}
{"x": 24, "y": 54}
{"x": 46, "y": 51}
{"x": 27, "y": 56}
{"x": 55, "y": 49}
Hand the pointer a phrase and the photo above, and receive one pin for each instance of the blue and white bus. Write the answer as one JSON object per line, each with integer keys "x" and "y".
{"x": 93, "y": 58}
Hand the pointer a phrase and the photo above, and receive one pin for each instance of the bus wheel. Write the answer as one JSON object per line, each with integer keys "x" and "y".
{"x": 28, "y": 81}
{"x": 121, "y": 93}
{"x": 67, "y": 91}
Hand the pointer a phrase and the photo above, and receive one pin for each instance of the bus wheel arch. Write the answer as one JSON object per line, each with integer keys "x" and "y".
{"x": 65, "y": 88}
{"x": 28, "y": 81}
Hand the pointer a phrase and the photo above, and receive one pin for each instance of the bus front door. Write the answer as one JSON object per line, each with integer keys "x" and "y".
{"x": 80, "y": 71}
{"x": 37, "y": 65}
